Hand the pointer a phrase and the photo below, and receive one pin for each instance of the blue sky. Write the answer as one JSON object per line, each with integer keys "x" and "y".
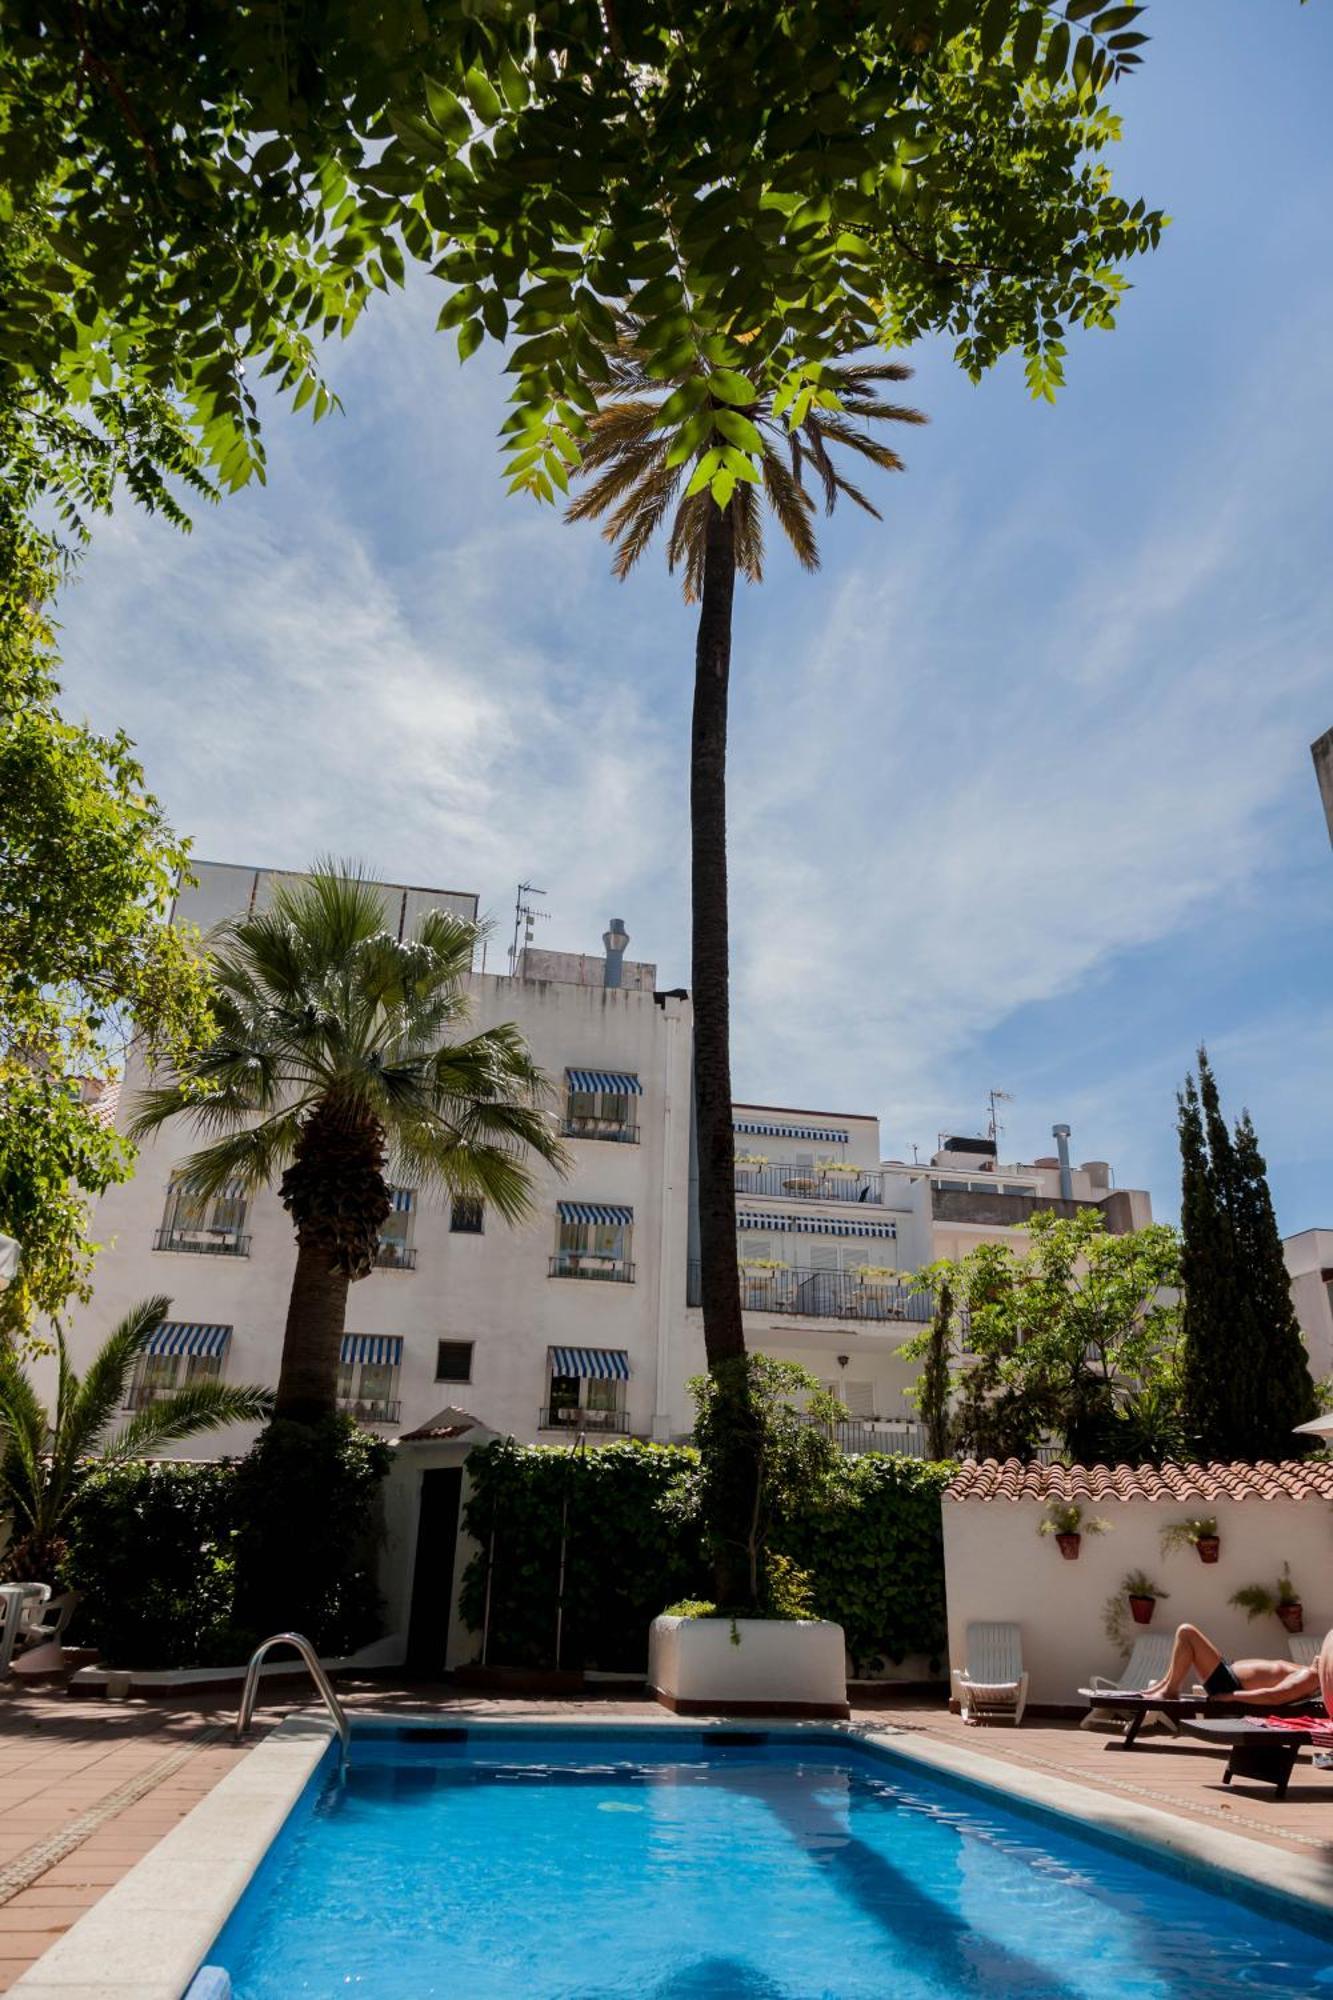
{"x": 1021, "y": 790}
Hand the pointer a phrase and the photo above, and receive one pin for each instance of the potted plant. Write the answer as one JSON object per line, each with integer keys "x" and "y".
{"x": 1282, "y": 1602}
{"x": 1199, "y": 1534}
{"x": 1141, "y": 1594}
{"x": 1066, "y": 1520}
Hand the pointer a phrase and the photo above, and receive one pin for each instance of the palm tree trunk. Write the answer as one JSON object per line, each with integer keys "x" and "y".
{"x": 724, "y": 1335}
{"x": 737, "y": 1446}
{"x": 312, "y": 1340}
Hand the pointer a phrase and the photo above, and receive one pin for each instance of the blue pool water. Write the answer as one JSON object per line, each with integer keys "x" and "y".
{"x": 552, "y": 1864}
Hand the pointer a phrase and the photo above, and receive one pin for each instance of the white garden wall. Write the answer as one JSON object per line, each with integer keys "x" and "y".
{"x": 996, "y": 1566}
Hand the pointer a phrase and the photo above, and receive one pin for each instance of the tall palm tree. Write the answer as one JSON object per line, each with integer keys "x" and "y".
{"x": 331, "y": 1065}
{"x": 634, "y": 487}
{"x": 44, "y": 1459}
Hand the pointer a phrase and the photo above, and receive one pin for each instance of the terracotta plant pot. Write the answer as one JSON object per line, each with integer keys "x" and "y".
{"x": 1141, "y": 1609}
{"x": 1209, "y": 1547}
{"x": 1068, "y": 1546}
{"x": 1292, "y": 1616}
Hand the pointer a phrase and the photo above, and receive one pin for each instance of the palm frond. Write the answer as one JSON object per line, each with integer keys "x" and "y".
{"x": 793, "y": 507}
{"x": 190, "y": 1412}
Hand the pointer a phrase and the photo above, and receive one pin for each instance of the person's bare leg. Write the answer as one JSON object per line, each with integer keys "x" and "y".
{"x": 1193, "y": 1657}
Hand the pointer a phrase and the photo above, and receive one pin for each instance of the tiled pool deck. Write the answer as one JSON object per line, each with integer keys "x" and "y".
{"x": 88, "y": 1786}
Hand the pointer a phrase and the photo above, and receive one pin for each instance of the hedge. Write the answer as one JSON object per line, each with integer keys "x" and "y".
{"x": 872, "y": 1543}
{"x": 151, "y": 1549}
{"x": 186, "y": 1565}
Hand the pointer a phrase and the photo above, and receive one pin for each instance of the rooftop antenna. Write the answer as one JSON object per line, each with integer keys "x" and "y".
{"x": 525, "y": 916}
{"x": 995, "y": 1128}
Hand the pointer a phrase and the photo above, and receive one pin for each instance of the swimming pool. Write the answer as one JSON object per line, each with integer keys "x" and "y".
{"x": 735, "y": 1864}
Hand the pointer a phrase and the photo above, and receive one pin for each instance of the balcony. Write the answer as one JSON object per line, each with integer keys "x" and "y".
{"x": 582, "y": 1264}
{"x": 904, "y": 1435}
{"x": 568, "y": 1418}
{"x": 371, "y": 1409}
{"x": 396, "y": 1257}
{"x": 805, "y": 1294}
{"x": 599, "y": 1128}
{"x": 789, "y": 1182}
{"x": 203, "y": 1242}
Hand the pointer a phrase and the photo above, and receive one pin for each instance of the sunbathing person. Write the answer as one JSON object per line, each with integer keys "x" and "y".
{"x": 1194, "y": 1657}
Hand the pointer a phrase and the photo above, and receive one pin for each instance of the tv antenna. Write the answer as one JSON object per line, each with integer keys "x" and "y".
{"x": 525, "y": 916}
{"x": 995, "y": 1128}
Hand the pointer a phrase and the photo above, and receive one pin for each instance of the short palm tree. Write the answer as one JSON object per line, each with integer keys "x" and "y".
{"x": 45, "y": 1458}
{"x": 332, "y": 1063}
{"x": 635, "y": 489}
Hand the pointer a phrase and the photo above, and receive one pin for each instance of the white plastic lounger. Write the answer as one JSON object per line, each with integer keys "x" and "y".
{"x": 1304, "y": 1647}
{"x": 993, "y": 1686}
{"x": 1147, "y": 1663}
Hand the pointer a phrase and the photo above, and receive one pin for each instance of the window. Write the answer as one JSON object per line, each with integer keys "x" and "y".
{"x": 453, "y": 1361}
{"x": 159, "y": 1375}
{"x": 396, "y": 1252}
{"x": 368, "y": 1371}
{"x": 593, "y": 1240}
{"x": 599, "y": 1104}
{"x": 586, "y": 1389}
{"x": 466, "y": 1216}
{"x": 204, "y": 1225}
{"x": 859, "y": 1398}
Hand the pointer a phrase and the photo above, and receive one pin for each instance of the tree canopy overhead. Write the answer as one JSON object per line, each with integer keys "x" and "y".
{"x": 193, "y": 197}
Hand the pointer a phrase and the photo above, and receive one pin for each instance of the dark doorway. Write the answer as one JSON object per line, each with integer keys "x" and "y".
{"x": 433, "y": 1572}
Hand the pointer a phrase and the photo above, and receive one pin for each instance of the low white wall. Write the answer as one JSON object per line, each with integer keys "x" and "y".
{"x": 996, "y": 1566}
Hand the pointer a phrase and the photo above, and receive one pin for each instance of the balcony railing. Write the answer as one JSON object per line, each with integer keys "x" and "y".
{"x": 565, "y": 1417}
{"x": 581, "y": 1264}
{"x": 897, "y": 1434}
{"x": 396, "y": 1257}
{"x": 795, "y": 1183}
{"x": 371, "y": 1409}
{"x": 203, "y": 1242}
{"x": 142, "y": 1395}
{"x": 599, "y": 1128}
{"x": 806, "y": 1294}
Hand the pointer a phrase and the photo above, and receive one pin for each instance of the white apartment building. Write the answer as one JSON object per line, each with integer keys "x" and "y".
{"x": 1309, "y": 1256}
{"x": 585, "y": 1317}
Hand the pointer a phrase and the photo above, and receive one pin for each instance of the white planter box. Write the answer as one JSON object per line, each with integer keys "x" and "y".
{"x": 780, "y": 1667}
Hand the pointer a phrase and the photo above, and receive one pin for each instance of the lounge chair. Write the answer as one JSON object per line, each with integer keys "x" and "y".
{"x": 1304, "y": 1647}
{"x": 20, "y": 1603}
{"x": 1147, "y": 1663}
{"x": 993, "y": 1686}
{"x": 1268, "y": 1755}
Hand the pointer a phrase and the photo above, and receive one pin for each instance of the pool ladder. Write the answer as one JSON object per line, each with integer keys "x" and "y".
{"x": 318, "y": 1676}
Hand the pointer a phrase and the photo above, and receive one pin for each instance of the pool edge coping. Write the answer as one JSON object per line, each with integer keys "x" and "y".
{"x": 192, "y": 1880}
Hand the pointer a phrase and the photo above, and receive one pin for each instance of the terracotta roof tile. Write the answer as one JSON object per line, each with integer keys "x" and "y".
{"x": 1295, "y": 1479}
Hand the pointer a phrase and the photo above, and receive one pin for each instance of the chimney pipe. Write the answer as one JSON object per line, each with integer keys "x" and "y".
{"x": 1060, "y": 1134}
{"x": 615, "y": 937}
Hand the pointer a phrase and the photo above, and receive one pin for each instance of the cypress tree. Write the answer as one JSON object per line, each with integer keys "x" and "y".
{"x": 932, "y": 1390}
{"x": 1245, "y": 1375}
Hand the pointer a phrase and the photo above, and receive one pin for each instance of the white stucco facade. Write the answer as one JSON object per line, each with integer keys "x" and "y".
{"x": 1309, "y": 1258}
{"x": 493, "y": 1319}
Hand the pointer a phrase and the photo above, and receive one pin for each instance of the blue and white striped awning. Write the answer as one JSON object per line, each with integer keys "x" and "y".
{"x": 820, "y": 1135}
{"x": 591, "y": 1364}
{"x": 403, "y": 1199}
{"x": 178, "y": 1336}
{"x": 382, "y": 1350}
{"x": 619, "y": 1083}
{"x": 595, "y": 1211}
{"x": 815, "y": 1225}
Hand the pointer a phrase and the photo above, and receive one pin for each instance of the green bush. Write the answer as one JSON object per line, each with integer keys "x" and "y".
{"x": 151, "y": 1549}
{"x": 873, "y": 1547}
{"x": 630, "y": 1549}
{"x": 869, "y": 1549}
{"x": 307, "y": 1529}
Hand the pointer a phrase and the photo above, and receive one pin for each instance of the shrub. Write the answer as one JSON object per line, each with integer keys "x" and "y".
{"x": 307, "y": 1526}
{"x": 151, "y": 1549}
{"x": 873, "y": 1547}
{"x": 866, "y": 1551}
{"x": 630, "y": 1549}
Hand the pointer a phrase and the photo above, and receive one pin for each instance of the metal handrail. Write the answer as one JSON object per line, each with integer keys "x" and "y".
{"x": 317, "y": 1675}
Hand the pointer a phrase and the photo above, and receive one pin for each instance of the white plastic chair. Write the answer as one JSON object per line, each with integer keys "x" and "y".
{"x": 20, "y": 1604}
{"x": 1304, "y": 1647}
{"x": 40, "y": 1637}
{"x": 992, "y": 1686}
